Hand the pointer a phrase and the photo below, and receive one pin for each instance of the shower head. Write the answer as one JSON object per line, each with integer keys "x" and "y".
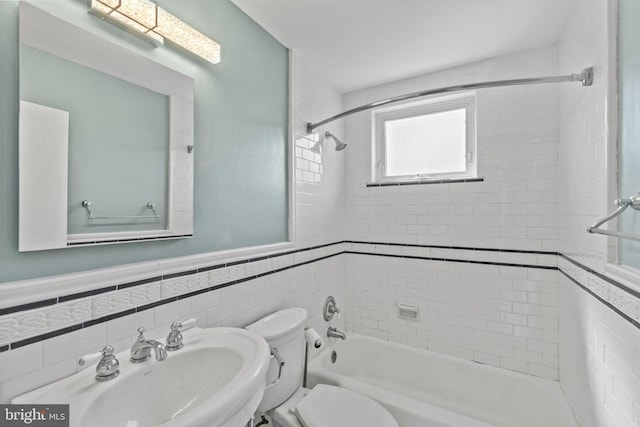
{"x": 339, "y": 144}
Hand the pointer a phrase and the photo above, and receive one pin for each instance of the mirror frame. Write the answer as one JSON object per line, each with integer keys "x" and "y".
{"x": 42, "y": 189}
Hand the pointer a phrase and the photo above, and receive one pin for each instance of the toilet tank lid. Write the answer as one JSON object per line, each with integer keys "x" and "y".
{"x": 279, "y": 324}
{"x": 328, "y": 405}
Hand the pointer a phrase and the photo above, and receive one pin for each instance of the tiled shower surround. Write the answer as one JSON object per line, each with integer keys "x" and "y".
{"x": 496, "y": 314}
{"x": 501, "y": 270}
{"x": 515, "y": 204}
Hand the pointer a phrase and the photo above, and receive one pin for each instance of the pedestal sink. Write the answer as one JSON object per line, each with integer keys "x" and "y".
{"x": 216, "y": 379}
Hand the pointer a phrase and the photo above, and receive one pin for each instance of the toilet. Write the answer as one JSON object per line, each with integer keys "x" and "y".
{"x": 291, "y": 405}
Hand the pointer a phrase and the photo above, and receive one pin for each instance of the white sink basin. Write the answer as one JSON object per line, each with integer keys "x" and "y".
{"x": 216, "y": 379}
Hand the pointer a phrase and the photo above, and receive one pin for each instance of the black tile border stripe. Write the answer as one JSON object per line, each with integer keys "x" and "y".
{"x": 434, "y": 181}
{"x": 46, "y": 336}
{"x": 29, "y": 306}
{"x": 139, "y": 282}
{"x": 465, "y": 248}
{"x": 179, "y": 274}
{"x": 210, "y": 268}
{"x": 193, "y": 293}
{"x": 62, "y": 331}
{"x": 462, "y": 261}
{"x": 109, "y": 317}
{"x": 86, "y": 294}
{"x": 156, "y": 304}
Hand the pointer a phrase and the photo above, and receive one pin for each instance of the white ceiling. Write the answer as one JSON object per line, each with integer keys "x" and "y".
{"x": 360, "y": 43}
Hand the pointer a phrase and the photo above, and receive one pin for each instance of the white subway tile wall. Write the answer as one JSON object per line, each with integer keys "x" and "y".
{"x": 33, "y": 365}
{"x": 599, "y": 349}
{"x": 600, "y": 361}
{"x": 497, "y": 315}
{"x": 515, "y": 207}
{"x": 319, "y": 177}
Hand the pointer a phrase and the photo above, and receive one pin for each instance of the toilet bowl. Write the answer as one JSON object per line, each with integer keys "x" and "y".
{"x": 290, "y": 405}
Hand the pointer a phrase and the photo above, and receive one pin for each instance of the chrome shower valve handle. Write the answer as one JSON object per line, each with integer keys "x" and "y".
{"x": 330, "y": 309}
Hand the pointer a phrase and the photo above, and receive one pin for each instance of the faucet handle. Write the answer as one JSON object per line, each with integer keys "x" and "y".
{"x": 174, "y": 339}
{"x": 184, "y": 325}
{"x": 334, "y": 310}
{"x": 330, "y": 309}
{"x": 108, "y": 366}
{"x": 88, "y": 359}
{"x": 141, "y": 331}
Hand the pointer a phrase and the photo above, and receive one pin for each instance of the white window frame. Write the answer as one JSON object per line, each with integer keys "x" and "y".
{"x": 465, "y": 101}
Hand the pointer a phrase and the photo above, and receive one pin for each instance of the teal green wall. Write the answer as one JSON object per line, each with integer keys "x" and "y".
{"x": 241, "y": 123}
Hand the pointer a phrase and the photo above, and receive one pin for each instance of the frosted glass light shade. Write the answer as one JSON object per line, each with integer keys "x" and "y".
{"x": 187, "y": 37}
{"x": 145, "y": 19}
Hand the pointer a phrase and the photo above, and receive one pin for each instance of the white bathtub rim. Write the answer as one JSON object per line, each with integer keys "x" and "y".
{"x": 547, "y": 389}
{"x": 405, "y": 409}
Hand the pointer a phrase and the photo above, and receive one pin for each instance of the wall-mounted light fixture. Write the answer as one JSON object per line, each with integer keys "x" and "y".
{"x": 152, "y": 23}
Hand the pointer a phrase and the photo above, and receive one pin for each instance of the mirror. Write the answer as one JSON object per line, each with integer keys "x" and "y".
{"x": 106, "y": 139}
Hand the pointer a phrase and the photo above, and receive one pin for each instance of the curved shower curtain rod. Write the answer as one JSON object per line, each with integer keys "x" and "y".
{"x": 585, "y": 77}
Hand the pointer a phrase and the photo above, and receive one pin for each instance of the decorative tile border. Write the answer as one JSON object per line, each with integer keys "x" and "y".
{"x": 615, "y": 295}
{"x": 43, "y": 321}
{"x": 36, "y": 321}
{"x": 122, "y": 300}
{"x": 184, "y": 285}
{"x": 33, "y": 322}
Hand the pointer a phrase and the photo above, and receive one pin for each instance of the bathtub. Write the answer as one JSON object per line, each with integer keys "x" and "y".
{"x": 426, "y": 389}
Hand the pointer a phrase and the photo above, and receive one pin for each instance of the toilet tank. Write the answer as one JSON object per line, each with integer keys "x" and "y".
{"x": 283, "y": 330}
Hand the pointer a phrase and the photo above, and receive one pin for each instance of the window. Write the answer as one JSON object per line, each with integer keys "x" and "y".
{"x": 425, "y": 141}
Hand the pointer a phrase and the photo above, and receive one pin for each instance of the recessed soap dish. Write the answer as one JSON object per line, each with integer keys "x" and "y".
{"x": 408, "y": 311}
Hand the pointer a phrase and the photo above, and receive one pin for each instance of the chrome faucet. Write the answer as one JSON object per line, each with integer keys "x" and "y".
{"x": 108, "y": 366}
{"x": 175, "y": 338}
{"x": 141, "y": 349}
{"x": 334, "y": 333}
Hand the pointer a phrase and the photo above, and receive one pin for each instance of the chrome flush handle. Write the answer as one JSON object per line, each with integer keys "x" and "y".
{"x": 276, "y": 355}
